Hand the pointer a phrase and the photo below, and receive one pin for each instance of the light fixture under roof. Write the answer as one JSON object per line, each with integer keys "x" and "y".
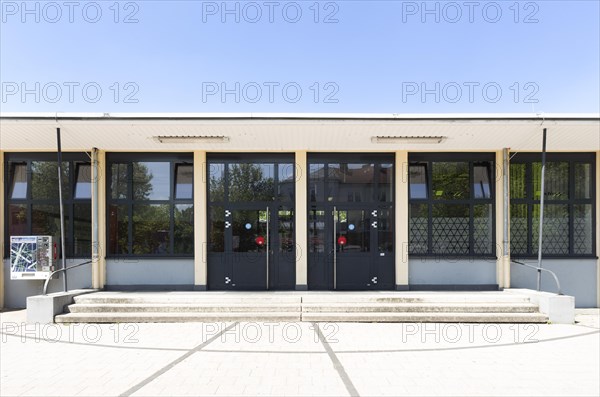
{"x": 192, "y": 138}
{"x": 408, "y": 139}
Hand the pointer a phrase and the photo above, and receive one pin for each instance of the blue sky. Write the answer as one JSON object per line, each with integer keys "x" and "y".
{"x": 350, "y": 56}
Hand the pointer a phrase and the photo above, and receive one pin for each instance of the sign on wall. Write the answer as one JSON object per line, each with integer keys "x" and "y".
{"x": 31, "y": 257}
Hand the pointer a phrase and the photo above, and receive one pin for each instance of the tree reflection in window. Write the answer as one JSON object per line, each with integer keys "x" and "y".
{"x": 457, "y": 219}
{"x": 33, "y": 197}
{"x": 151, "y": 207}
{"x": 251, "y": 182}
{"x": 568, "y": 211}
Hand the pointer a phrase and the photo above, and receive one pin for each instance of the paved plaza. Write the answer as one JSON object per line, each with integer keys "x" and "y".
{"x": 325, "y": 359}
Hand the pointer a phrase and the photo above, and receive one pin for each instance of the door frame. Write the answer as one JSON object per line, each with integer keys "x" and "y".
{"x": 374, "y": 203}
{"x": 215, "y": 280}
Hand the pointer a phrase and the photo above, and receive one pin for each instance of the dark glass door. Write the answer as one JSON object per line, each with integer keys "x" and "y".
{"x": 258, "y": 250}
{"x": 350, "y": 225}
{"x": 247, "y": 244}
{"x": 351, "y": 248}
{"x": 251, "y": 239}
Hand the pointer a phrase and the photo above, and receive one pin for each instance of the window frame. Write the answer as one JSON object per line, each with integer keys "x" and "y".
{"x": 377, "y": 159}
{"x": 174, "y": 159}
{"x": 73, "y": 159}
{"x": 572, "y": 158}
{"x": 473, "y": 159}
{"x": 247, "y": 158}
{"x": 226, "y": 204}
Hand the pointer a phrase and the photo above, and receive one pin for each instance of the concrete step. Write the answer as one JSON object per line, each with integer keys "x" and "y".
{"x": 160, "y": 317}
{"x": 184, "y": 299}
{"x": 257, "y": 297}
{"x": 518, "y": 307}
{"x": 415, "y": 298}
{"x": 182, "y": 307}
{"x": 427, "y": 317}
{"x": 377, "y": 306}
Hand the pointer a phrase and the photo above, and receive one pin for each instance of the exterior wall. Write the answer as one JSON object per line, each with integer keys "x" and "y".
{"x": 17, "y": 291}
{"x": 448, "y": 271}
{"x": 131, "y": 273}
{"x": 577, "y": 278}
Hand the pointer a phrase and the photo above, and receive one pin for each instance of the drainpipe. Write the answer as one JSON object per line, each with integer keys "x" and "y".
{"x": 539, "y": 277}
{"x": 61, "y": 211}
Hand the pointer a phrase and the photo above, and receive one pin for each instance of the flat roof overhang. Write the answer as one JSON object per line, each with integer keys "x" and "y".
{"x": 298, "y": 131}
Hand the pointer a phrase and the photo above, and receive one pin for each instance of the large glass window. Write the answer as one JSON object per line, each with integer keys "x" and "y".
{"x": 569, "y": 212}
{"x": 351, "y": 181}
{"x": 150, "y": 205}
{"x": 240, "y": 179}
{"x": 32, "y": 206}
{"x": 451, "y": 204}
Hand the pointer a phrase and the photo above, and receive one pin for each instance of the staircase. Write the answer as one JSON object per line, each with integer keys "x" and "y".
{"x": 477, "y": 307}
{"x": 378, "y": 306}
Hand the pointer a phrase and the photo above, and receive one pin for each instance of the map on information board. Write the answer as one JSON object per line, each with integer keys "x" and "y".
{"x": 31, "y": 257}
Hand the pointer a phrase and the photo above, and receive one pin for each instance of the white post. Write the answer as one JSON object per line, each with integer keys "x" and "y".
{"x": 301, "y": 221}
{"x": 401, "y": 218}
{"x": 200, "y": 221}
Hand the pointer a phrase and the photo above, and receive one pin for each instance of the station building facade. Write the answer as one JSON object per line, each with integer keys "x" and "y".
{"x": 305, "y": 201}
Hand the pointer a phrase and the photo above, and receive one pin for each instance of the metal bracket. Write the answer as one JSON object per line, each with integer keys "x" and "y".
{"x": 374, "y": 224}
{"x": 227, "y": 224}
{"x": 374, "y": 213}
{"x": 227, "y": 213}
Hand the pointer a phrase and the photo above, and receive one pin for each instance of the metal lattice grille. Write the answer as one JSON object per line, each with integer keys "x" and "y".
{"x": 450, "y": 235}
{"x": 418, "y": 229}
{"x": 418, "y": 236}
{"x": 568, "y": 210}
{"x": 482, "y": 229}
{"x": 518, "y": 228}
{"x": 556, "y": 230}
{"x": 582, "y": 229}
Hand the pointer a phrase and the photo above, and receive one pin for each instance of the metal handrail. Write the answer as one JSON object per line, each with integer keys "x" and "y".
{"x": 541, "y": 269}
{"x": 61, "y": 270}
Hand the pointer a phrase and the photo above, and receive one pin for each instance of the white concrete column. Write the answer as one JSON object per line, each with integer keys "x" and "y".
{"x": 301, "y": 220}
{"x": 98, "y": 251}
{"x": 502, "y": 254}
{"x": 99, "y": 217}
{"x": 200, "y": 221}
{"x": 401, "y": 218}
{"x": 2, "y": 182}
